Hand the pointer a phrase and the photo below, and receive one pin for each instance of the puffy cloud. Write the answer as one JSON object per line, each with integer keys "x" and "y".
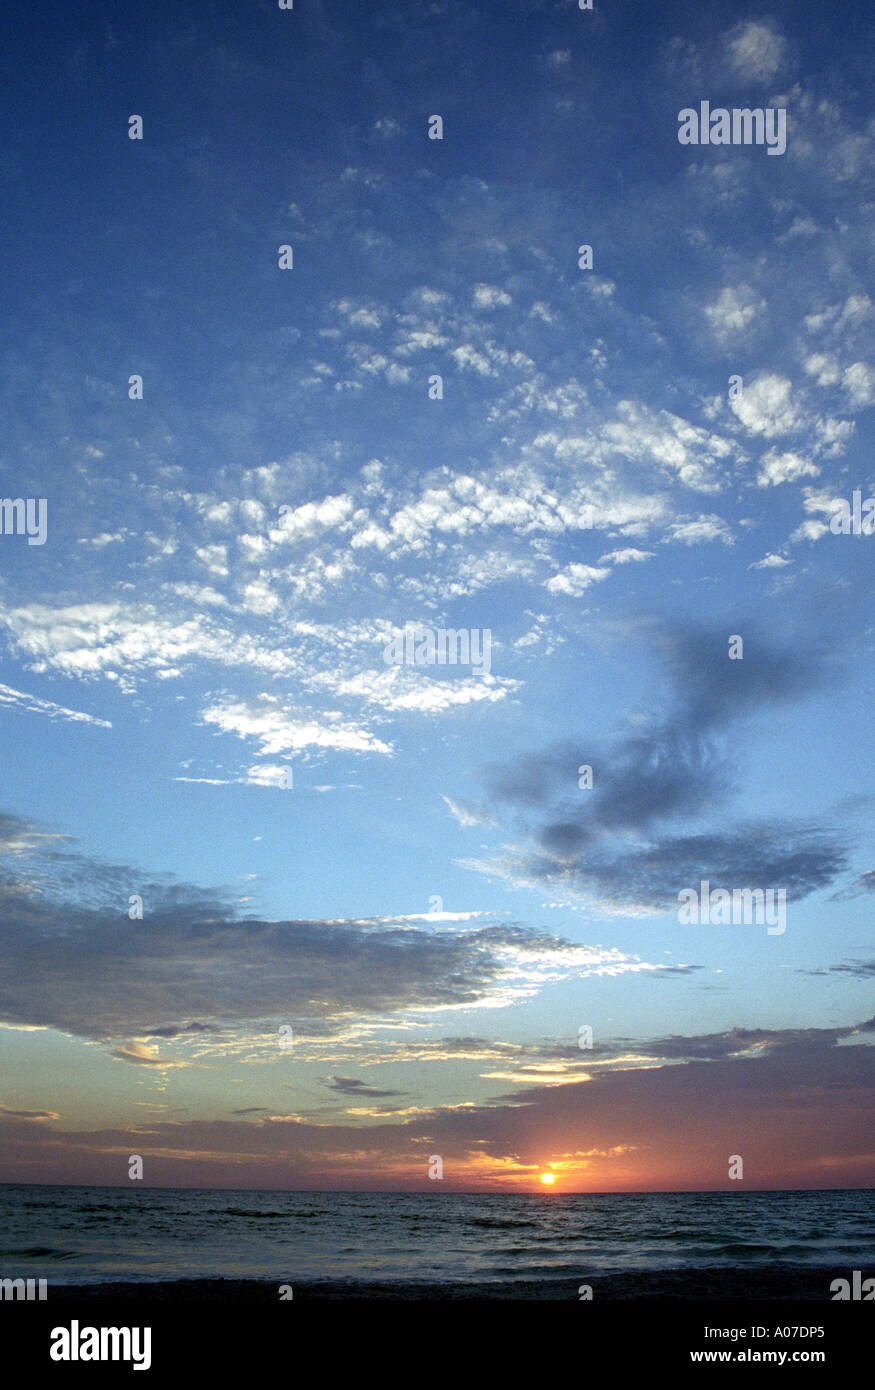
{"x": 810, "y": 531}
{"x": 361, "y": 315}
{"x": 302, "y": 523}
{"x": 859, "y": 382}
{"x": 755, "y": 50}
{"x": 776, "y": 468}
{"x": 575, "y": 579}
{"x": 90, "y": 639}
{"x": 770, "y": 562}
{"x": 766, "y": 406}
{"x": 490, "y": 297}
{"x": 259, "y": 597}
{"x": 733, "y": 312}
{"x": 825, "y": 369}
{"x": 697, "y": 457}
{"x": 215, "y": 558}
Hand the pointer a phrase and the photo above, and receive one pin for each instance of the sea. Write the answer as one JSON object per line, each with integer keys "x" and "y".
{"x": 425, "y": 1245}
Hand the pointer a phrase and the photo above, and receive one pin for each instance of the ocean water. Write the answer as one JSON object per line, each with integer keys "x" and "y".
{"x": 105, "y": 1235}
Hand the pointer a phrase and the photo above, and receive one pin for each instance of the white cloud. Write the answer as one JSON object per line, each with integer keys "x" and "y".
{"x": 766, "y": 406}
{"x": 818, "y": 502}
{"x": 397, "y": 375}
{"x": 108, "y": 638}
{"x": 825, "y": 369}
{"x": 696, "y": 456}
{"x": 777, "y": 468}
{"x": 859, "y": 382}
{"x": 575, "y": 579}
{"x": 705, "y": 528}
{"x": 541, "y": 632}
{"x": 400, "y": 689}
{"x": 261, "y": 775}
{"x": 800, "y": 226}
{"x": 360, "y": 315}
{"x": 490, "y": 297}
{"x": 755, "y": 50}
{"x": 199, "y": 593}
{"x": 420, "y": 340}
{"x": 19, "y": 699}
{"x": 841, "y": 320}
{"x": 268, "y": 775}
{"x": 103, "y": 539}
{"x": 480, "y": 571}
{"x": 602, "y": 288}
{"x": 215, "y": 557}
{"x": 540, "y": 310}
{"x": 832, "y": 435}
{"x": 810, "y": 531}
{"x": 283, "y": 730}
{"x": 301, "y": 523}
{"x": 769, "y": 562}
{"x": 467, "y": 358}
{"x": 733, "y": 312}
{"x": 625, "y": 557}
{"x": 470, "y": 813}
{"x": 219, "y": 513}
{"x": 258, "y": 597}
{"x": 210, "y": 781}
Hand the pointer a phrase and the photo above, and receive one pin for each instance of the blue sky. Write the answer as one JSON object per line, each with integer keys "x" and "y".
{"x": 227, "y": 558}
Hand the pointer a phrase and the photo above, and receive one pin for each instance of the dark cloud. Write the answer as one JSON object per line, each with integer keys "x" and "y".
{"x": 348, "y": 1086}
{"x": 861, "y": 969}
{"x": 795, "y": 1103}
{"x": 532, "y": 778}
{"x": 737, "y": 1042}
{"x": 175, "y": 1032}
{"x": 91, "y": 970}
{"x": 864, "y": 883}
{"x": 616, "y": 839}
{"x": 799, "y": 859}
{"x": 6, "y": 1113}
{"x": 714, "y": 691}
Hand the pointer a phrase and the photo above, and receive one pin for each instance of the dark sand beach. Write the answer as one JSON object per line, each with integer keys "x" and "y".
{"x": 775, "y": 1284}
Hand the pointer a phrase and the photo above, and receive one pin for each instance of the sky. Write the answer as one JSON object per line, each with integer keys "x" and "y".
{"x": 293, "y": 377}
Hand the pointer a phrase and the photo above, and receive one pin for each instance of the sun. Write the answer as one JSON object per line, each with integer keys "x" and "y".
{"x": 548, "y": 1179}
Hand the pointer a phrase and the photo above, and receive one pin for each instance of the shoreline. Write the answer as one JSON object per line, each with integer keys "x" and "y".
{"x": 774, "y": 1283}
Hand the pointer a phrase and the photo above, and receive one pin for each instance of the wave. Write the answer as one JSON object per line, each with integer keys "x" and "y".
{"x": 501, "y": 1225}
{"x": 290, "y": 1215}
{"x": 37, "y": 1252}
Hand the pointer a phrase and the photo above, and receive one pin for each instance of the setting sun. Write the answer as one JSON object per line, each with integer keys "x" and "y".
{"x": 547, "y": 1178}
